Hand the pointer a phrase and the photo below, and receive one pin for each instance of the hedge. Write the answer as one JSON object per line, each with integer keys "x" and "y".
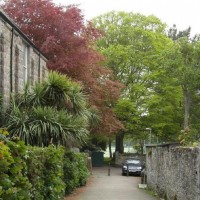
{"x": 14, "y": 183}
{"x": 75, "y": 171}
{"x": 45, "y": 172}
{"x": 39, "y": 173}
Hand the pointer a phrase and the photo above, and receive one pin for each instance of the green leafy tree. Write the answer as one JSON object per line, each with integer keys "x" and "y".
{"x": 132, "y": 44}
{"x": 127, "y": 112}
{"x": 182, "y": 62}
{"x": 164, "y": 107}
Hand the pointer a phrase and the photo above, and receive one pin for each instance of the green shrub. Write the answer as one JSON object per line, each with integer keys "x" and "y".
{"x": 14, "y": 184}
{"x": 82, "y": 168}
{"x": 53, "y": 173}
{"x": 35, "y": 164}
{"x": 75, "y": 171}
{"x": 45, "y": 172}
{"x": 35, "y": 173}
{"x": 70, "y": 172}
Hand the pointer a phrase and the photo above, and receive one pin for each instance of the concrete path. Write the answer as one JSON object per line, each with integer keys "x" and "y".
{"x": 113, "y": 187}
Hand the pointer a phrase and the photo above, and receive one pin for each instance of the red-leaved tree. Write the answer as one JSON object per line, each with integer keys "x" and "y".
{"x": 61, "y": 33}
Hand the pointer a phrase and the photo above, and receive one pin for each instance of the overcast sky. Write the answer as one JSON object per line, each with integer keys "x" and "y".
{"x": 183, "y": 13}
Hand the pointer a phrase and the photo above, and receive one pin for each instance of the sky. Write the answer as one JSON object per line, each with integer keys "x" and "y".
{"x": 183, "y": 13}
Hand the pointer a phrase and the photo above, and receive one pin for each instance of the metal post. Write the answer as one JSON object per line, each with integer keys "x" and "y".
{"x": 108, "y": 169}
{"x": 127, "y": 172}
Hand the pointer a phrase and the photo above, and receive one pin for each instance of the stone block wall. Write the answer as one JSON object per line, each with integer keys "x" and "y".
{"x": 20, "y": 61}
{"x": 174, "y": 171}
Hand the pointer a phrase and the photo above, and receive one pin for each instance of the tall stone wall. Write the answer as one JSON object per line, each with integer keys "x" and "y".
{"x": 174, "y": 171}
{"x": 17, "y": 52}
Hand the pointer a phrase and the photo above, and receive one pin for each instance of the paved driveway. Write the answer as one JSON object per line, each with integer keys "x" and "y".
{"x": 113, "y": 187}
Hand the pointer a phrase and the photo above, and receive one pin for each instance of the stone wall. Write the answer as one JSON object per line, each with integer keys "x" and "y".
{"x": 174, "y": 171}
{"x": 20, "y": 61}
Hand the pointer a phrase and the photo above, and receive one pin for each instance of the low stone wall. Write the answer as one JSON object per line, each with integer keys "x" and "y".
{"x": 174, "y": 171}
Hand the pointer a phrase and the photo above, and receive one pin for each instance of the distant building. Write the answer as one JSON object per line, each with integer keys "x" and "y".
{"x": 21, "y": 61}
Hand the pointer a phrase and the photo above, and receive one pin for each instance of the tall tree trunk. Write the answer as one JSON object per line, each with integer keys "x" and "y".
{"x": 187, "y": 103}
{"x": 110, "y": 147}
{"x": 119, "y": 145}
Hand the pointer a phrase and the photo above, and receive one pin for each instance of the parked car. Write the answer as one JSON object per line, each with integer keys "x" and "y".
{"x": 132, "y": 166}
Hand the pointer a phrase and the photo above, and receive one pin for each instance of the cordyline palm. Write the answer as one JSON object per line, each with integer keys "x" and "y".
{"x": 57, "y": 91}
{"x": 54, "y": 111}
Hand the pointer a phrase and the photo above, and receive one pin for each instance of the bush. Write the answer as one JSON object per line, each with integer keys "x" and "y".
{"x": 53, "y": 173}
{"x": 14, "y": 184}
{"x": 76, "y": 172}
{"x": 70, "y": 172}
{"x": 45, "y": 172}
{"x": 82, "y": 168}
{"x": 35, "y": 163}
{"x": 35, "y": 173}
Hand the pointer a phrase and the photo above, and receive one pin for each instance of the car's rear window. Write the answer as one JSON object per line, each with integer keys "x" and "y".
{"x": 136, "y": 162}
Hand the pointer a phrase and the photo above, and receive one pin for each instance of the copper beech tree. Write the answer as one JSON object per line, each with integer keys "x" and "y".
{"x": 69, "y": 43}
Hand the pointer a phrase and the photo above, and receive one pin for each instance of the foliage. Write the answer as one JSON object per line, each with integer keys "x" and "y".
{"x": 58, "y": 31}
{"x": 82, "y": 168}
{"x": 14, "y": 184}
{"x": 133, "y": 44}
{"x": 53, "y": 173}
{"x": 45, "y": 172}
{"x": 75, "y": 171}
{"x": 165, "y": 112}
{"x": 54, "y": 111}
{"x": 108, "y": 161}
{"x": 3, "y": 134}
{"x": 35, "y": 160}
{"x": 61, "y": 33}
{"x": 70, "y": 173}
{"x": 181, "y": 61}
{"x": 39, "y": 173}
{"x": 127, "y": 112}
{"x": 96, "y": 143}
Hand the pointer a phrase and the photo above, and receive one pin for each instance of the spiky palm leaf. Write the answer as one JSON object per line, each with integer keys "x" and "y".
{"x": 46, "y": 128}
{"x": 17, "y": 124}
{"x": 35, "y": 97}
{"x": 77, "y": 98}
{"x": 93, "y": 116}
{"x": 54, "y": 111}
{"x": 45, "y": 125}
{"x": 76, "y": 126}
{"x": 56, "y": 90}
{"x": 61, "y": 92}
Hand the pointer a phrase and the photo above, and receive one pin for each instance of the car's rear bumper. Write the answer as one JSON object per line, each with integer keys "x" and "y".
{"x": 131, "y": 172}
